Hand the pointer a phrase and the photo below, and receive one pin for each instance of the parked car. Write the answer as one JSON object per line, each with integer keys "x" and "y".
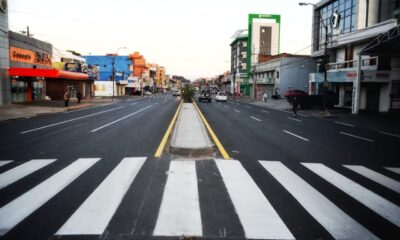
{"x": 289, "y": 95}
{"x": 176, "y": 93}
{"x": 205, "y": 95}
{"x": 147, "y": 93}
{"x": 221, "y": 96}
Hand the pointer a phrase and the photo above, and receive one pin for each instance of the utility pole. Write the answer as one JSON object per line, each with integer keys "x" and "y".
{"x": 113, "y": 76}
{"x": 234, "y": 84}
{"x": 254, "y": 82}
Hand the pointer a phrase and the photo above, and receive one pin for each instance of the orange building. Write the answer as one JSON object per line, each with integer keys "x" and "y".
{"x": 138, "y": 64}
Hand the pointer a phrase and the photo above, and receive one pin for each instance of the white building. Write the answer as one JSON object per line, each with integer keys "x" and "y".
{"x": 353, "y": 28}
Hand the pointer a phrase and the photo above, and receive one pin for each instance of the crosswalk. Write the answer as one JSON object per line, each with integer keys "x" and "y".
{"x": 180, "y": 210}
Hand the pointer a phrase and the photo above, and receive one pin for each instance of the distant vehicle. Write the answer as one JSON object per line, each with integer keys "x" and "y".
{"x": 205, "y": 95}
{"x": 221, "y": 96}
{"x": 294, "y": 93}
{"x": 176, "y": 93}
{"x": 147, "y": 93}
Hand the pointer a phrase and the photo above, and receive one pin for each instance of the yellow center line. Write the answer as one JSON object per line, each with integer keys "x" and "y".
{"x": 214, "y": 137}
{"x": 167, "y": 133}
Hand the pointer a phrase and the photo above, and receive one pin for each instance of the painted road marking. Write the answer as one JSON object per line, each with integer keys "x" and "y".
{"x": 376, "y": 177}
{"x": 180, "y": 208}
{"x": 248, "y": 107}
{"x": 295, "y": 135}
{"x": 264, "y": 111}
{"x": 257, "y": 216}
{"x": 167, "y": 133}
{"x": 133, "y": 104}
{"x": 213, "y": 135}
{"x": 120, "y": 119}
{"x": 257, "y": 119}
{"x": 226, "y": 106}
{"x": 332, "y": 218}
{"x": 390, "y": 134}
{"x": 376, "y": 203}
{"x": 236, "y": 110}
{"x": 70, "y": 120}
{"x": 344, "y": 124}
{"x": 17, "y": 210}
{"x": 355, "y": 136}
{"x": 294, "y": 119}
{"x": 22, "y": 171}
{"x": 93, "y": 216}
{"x": 2, "y": 163}
{"x": 393, "y": 169}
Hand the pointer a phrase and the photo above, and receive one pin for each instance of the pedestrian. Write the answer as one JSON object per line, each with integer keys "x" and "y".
{"x": 66, "y": 99}
{"x": 79, "y": 96}
{"x": 294, "y": 103}
{"x": 265, "y": 96}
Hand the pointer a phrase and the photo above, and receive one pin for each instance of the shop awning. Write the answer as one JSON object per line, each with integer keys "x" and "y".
{"x": 47, "y": 73}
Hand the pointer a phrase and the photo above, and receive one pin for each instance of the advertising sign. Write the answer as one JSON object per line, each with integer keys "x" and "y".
{"x": 104, "y": 88}
{"x": 28, "y": 56}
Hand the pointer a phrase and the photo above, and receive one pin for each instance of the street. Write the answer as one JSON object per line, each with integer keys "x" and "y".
{"x": 92, "y": 174}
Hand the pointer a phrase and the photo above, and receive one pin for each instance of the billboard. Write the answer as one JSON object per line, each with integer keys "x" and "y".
{"x": 104, "y": 88}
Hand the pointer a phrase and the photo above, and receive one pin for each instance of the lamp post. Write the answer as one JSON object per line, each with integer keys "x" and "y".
{"x": 253, "y": 71}
{"x": 113, "y": 70}
{"x": 325, "y": 61}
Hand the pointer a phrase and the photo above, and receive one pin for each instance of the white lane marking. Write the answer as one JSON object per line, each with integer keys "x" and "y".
{"x": 93, "y": 216}
{"x": 120, "y": 119}
{"x": 389, "y": 134}
{"x": 344, "y": 124}
{"x": 22, "y": 171}
{"x": 393, "y": 169}
{"x": 264, "y": 111}
{"x": 70, "y": 120}
{"x": 257, "y": 119}
{"x": 17, "y": 210}
{"x": 376, "y": 203}
{"x": 2, "y": 163}
{"x": 294, "y": 119}
{"x": 226, "y": 106}
{"x": 180, "y": 208}
{"x": 355, "y": 136}
{"x": 295, "y": 135}
{"x": 236, "y": 110}
{"x": 332, "y": 218}
{"x": 133, "y": 104}
{"x": 157, "y": 103}
{"x": 376, "y": 177}
{"x": 257, "y": 216}
{"x": 248, "y": 107}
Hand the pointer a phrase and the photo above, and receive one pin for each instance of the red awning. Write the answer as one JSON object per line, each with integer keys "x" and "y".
{"x": 46, "y": 73}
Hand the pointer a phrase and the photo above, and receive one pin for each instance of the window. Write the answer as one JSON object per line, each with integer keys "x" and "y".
{"x": 277, "y": 74}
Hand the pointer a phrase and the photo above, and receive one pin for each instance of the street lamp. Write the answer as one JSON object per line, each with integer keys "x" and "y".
{"x": 113, "y": 70}
{"x": 254, "y": 81}
{"x": 325, "y": 62}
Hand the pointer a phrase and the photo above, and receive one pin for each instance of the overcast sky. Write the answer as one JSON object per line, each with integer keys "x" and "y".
{"x": 188, "y": 37}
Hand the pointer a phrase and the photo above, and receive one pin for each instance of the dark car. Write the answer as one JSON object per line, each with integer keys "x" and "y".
{"x": 289, "y": 95}
{"x": 205, "y": 95}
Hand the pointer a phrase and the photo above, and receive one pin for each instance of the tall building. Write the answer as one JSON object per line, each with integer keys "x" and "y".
{"x": 238, "y": 61}
{"x": 5, "y": 88}
{"x": 362, "y": 51}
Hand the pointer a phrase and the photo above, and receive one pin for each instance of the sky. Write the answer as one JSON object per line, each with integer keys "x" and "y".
{"x": 188, "y": 37}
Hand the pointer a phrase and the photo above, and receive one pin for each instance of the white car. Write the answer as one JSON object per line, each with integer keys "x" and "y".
{"x": 221, "y": 97}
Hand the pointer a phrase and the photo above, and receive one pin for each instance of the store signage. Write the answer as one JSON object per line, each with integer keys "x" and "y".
{"x": 73, "y": 67}
{"x": 28, "y": 56}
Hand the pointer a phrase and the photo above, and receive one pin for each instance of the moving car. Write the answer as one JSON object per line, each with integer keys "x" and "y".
{"x": 221, "y": 96}
{"x": 205, "y": 95}
{"x": 176, "y": 93}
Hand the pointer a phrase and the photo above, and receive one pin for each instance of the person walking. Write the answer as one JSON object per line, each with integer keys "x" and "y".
{"x": 295, "y": 103}
{"x": 79, "y": 96}
{"x": 265, "y": 96}
{"x": 66, "y": 99}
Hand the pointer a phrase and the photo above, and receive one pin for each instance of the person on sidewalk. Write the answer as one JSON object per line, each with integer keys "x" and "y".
{"x": 79, "y": 96}
{"x": 66, "y": 99}
{"x": 294, "y": 103}
{"x": 265, "y": 96}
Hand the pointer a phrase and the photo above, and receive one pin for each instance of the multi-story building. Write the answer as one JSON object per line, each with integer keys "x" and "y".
{"x": 5, "y": 93}
{"x": 238, "y": 61}
{"x": 361, "y": 48}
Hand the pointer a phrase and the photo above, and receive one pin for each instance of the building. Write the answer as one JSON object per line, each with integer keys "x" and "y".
{"x": 238, "y": 61}
{"x": 5, "y": 88}
{"x": 140, "y": 71}
{"x": 283, "y": 72}
{"x": 360, "y": 42}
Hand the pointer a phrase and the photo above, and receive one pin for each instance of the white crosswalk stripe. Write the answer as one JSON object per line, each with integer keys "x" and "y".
{"x": 258, "y": 217}
{"x": 2, "y": 163}
{"x": 334, "y": 220}
{"x": 22, "y": 171}
{"x": 95, "y": 213}
{"x": 393, "y": 169}
{"x": 180, "y": 209}
{"x": 373, "y": 201}
{"x": 376, "y": 177}
{"x": 17, "y": 210}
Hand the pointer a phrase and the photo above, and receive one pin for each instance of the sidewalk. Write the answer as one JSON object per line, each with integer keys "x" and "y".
{"x": 27, "y": 110}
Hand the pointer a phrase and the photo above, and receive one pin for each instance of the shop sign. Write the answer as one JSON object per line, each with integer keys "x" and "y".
{"x": 28, "y": 56}
{"x": 73, "y": 67}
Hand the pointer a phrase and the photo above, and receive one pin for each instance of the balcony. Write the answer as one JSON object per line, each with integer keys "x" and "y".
{"x": 366, "y": 64}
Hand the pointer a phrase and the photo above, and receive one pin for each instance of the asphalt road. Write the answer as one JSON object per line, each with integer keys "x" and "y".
{"x": 91, "y": 174}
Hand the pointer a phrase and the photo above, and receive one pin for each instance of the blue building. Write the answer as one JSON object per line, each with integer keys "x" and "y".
{"x": 121, "y": 65}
